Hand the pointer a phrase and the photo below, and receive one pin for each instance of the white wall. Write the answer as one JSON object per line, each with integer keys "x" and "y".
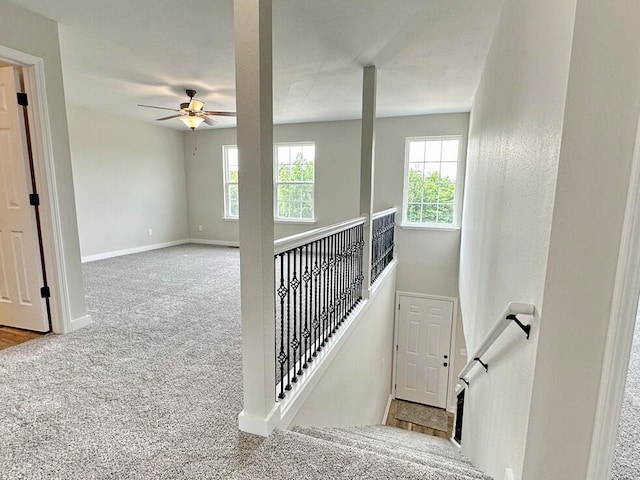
{"x": 598, "y": 136}
{"x": 129, "y": 177}
{"x": 355, "y": 388}
{"x": 27, "y": 32}
{"x": 336, "y": 187}
{"x": 514, "y": 140}
{"x": 428, "y": 260}
{"x": 551, "y": 140}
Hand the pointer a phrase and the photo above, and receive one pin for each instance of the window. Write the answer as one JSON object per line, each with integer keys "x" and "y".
{"x": 431, "y": 182}
{"x": 230, "y": 155}
{"x": 294, "y": 180}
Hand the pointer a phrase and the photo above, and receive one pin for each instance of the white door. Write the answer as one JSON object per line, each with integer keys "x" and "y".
{"x": 20, "y": 268}
{"x": 424, "y": 338}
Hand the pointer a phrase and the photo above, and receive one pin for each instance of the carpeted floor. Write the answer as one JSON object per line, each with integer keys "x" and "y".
{"x": 152, "y": 390}
{"x": 626, "y": 463}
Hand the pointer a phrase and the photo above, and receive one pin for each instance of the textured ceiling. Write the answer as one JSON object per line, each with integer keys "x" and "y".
{"x": 118, "y": 53}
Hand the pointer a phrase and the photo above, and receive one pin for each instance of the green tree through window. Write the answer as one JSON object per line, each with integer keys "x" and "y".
{"x": 295, "y": 174}
{"x": 431, "y": 181}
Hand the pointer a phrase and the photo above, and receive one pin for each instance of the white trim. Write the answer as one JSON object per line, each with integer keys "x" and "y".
{"x": 380, "y": 280}
{"x": 299, "y": 221}
{"x": 293, "y": 241}
{"x": 452, "y": 399}
{"x": 225, "y": 182}
{"x": 384, "y": 213}
{"x": 276, "y": 183}
{"x": 129, "y": 251}
{"x": 78, "y": 323}
{"x": 39, "y": 122}
{"x": 221, "y": 243}
{"x": 457, "y": 207}
{"x": 257, "y": 425}
{"x": 430, "y": 226}
{"x": 451, "y": 341}
{"x": 386, "y": 410}
{"x": 622, "y": 318}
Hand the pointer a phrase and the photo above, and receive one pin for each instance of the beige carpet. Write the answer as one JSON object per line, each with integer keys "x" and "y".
{"x": 424, "y": 415}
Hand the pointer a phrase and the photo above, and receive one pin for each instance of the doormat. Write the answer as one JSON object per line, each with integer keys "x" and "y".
{"x": 424, "y": 415}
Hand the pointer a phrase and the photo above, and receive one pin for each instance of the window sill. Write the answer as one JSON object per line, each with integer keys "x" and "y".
{"x": 440, "y": 228}
{"x": 300, "y": 221}
{"x": 279, "y": 220}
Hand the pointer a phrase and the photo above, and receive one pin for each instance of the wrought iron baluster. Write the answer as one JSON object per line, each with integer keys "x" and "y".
{"x": 282, "y": 356}
{"x": 288, "y": 387}
{"x": 295, "y": 283}
{"x": 316, "y": 299}
{"x": 307, "y": 305}
{"x": 300, "y": 312}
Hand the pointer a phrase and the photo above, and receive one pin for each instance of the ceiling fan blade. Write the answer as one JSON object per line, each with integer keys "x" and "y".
{"x": 161, "y": 108}
{"x": 221, "y": 114}
{"x": 170, "y": 116}
{"x": 209, "y": 121}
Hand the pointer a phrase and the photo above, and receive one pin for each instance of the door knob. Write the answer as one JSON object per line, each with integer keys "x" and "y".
{"x": 445, "y": 364}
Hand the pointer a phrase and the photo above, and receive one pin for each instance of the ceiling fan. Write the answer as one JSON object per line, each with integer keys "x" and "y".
{"x": 191, "y": 112}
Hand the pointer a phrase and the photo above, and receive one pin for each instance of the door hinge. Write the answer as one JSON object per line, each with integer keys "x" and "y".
{"x": 398, "y": 306}
{"x": 45, "y": 292}
{"x": 396, "y": 347}
{"x": 34, "y": 199}
{"x": 22, "y": 99}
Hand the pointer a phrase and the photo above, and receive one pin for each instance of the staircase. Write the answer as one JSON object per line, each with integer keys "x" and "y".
{"x": 369, "y": 452}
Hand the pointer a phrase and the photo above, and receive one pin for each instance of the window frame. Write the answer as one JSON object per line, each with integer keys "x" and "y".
{"x": 227, "y": 183}
{"x": 276, "y": 183}
{"x": 459, "y": 184}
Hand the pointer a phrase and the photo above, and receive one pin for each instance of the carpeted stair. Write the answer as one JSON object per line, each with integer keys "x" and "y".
{"x": 370, "y": 452}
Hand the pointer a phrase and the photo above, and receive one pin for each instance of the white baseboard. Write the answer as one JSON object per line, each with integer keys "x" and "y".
{"x": 258, "y": 425}
{"x": 129, "y": 251}
{"x": 386, "y": 410}
{"x": 78, "y": 323}
{"x": 222, "y": 243}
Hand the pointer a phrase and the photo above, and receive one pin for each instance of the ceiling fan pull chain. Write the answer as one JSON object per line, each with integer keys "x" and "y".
{"x": 195, "y": 142}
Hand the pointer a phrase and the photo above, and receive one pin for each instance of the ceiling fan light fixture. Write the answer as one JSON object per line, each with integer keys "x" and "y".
{"x": 195, "y": 104}
{"x": 192, "y": 121}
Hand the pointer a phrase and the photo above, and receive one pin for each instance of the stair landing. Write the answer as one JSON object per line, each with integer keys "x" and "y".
{"x": 392, "y": 421}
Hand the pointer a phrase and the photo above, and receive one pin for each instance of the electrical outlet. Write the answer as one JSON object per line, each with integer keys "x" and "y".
{"x": 199, "y": 228}
{"x": 150, "y": 231}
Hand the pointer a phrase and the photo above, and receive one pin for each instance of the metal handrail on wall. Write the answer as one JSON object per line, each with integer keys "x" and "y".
{"x": 507, "y": 317}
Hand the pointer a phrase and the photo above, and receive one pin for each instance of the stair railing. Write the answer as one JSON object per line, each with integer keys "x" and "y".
{"x": 382, "y": 241}
{"x": 507, "y": 317}
{"x": 318, "y": 283}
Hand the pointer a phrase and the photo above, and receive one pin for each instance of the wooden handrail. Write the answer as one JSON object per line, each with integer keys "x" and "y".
{"x": 507, "y": 317}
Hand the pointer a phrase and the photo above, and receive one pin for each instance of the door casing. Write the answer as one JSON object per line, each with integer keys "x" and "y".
{"x": 452, "y": 346}
{"x": 35, "y": 86}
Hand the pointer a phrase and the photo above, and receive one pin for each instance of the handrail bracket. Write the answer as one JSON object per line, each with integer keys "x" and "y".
{"x": 485, "y": 365}
{"x": 525, "y": 328}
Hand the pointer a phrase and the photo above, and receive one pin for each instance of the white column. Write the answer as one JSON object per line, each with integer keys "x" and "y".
{"x": 252, "y": 19}
{"x": 367, "y": 167}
